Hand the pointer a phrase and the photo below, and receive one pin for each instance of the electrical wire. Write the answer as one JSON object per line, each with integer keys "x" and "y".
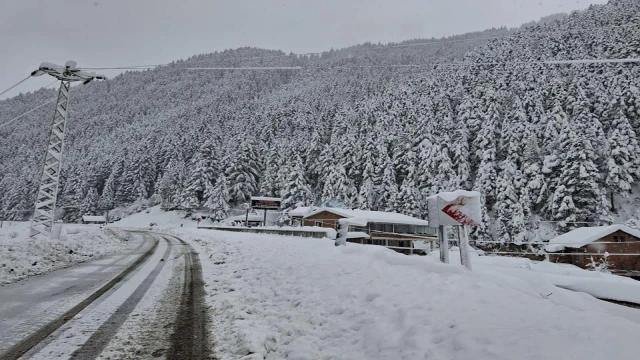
{"x": 418, "y": 66}
{"x": 515, "y": 36}
{"x": 249, "y": 68}
{"x": 19, "y": 82}
{"x": 384, "y": 47}
{"x": 23, "y": 114}
{"x": 124, "y": 67}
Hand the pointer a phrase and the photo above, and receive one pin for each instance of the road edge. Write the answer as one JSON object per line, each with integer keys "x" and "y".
{"x": 22, "y": 347}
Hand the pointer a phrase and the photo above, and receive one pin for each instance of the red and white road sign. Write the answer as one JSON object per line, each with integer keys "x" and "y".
{"x": 455, "y": 208}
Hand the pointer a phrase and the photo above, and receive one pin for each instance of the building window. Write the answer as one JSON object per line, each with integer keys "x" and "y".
{"x": 319, "y": 223}
{"x": 618, "y": 239}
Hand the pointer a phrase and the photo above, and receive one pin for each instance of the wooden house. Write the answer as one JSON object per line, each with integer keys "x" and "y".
{"x": 393, "y": 230}
{"x": 616, "y": 246}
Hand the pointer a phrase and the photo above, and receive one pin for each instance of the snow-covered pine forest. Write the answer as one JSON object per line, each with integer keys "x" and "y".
{"x": 542, "y": 143}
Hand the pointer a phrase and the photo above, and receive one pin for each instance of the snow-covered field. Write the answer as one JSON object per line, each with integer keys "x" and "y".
{"x": 519, "y": 271}
{"x": 21, "y": 256}
{"x": 275, "y": 297}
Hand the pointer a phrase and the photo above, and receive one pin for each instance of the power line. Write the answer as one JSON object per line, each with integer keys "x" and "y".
{"x": 414, "y": 66}
{"x": 519, "y": 35}
{"x": 125, "y": 67}
{"x": 19, "y": 82}
{"x": 249, "y": 68}
{"x": 384, "y": 47}
{"x": 410, "y": 66}
{"x": 23, "y": 114}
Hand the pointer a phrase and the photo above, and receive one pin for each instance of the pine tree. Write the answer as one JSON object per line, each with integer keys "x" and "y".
{"x": 621, "y": 164}
{"x": 486, "y": 176}
{"x": 409, "y": 200}
{"x": 509, "y": 212}
{"x": 217, "y": 199}
{"x": 460, "y": 157}
{"x": 579, "y": 197}
{"x": 242, "y": 171}
{"x": 387, "y": 190}
{"x": 297, "y": 191}
{"x": 338, "y": 190}
{"x": 90, "y": 202}
{"x": 169, "y": 186}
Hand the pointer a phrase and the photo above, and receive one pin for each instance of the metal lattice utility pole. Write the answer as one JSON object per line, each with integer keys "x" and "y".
{"x": 43, "y": 214}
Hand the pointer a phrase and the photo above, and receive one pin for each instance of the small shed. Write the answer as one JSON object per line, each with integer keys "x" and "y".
{"x": 616, "y": 245}
{"x": 91, "y": 219}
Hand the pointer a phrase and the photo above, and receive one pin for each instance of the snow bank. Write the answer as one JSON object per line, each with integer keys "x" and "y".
{"x": 514, "y": 270}
{"x": 21, "y": 256}
{"x": 278, "y": 297}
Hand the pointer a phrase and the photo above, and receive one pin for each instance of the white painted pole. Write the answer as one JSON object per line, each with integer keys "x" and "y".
{"x": 443, "y": 243}
{"x": 463, "y": 241}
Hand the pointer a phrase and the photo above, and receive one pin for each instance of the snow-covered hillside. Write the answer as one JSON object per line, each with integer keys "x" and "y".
{"x": 356, "y": 127}
{"x": 276, "y": 297}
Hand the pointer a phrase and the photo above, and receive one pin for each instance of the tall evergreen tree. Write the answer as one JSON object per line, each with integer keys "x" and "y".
{"x": 217, "y": 199}
{"x": 296, "y": 192}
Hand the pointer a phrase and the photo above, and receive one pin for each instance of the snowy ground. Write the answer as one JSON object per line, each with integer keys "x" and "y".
{"x": 518, "y": 271}
{"x": 160, "y": 219}
{"x": 277, "y": 297}
{"x": 21, "y": 256}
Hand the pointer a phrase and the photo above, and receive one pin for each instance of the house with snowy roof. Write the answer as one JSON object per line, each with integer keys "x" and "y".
{"x": 393, "y": 230}
{"x": 297, "y": 215}
{"x": 618, "y": 245}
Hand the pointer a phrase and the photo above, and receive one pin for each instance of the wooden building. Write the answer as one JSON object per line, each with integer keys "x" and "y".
{"x": 617, "y": 246}
{"x": 393, "y": 230}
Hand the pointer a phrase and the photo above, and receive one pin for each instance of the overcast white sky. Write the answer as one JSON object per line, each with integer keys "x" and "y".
{"x": 102, "y": 33}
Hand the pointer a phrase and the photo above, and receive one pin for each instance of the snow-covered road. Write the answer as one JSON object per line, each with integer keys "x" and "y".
{"x": 136, "y": 318}
{"x": 29, "y": 304}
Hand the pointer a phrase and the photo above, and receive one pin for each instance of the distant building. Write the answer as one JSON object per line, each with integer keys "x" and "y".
{"x": 298, "y": 214}
{"x": 393, "y": 230}
{"x": 588, "y": 245}
{"x": 87, "y": 219}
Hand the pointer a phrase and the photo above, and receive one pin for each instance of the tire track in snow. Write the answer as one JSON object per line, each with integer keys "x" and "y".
{"x": 101, "y": 337}
{"x": 189, "y": 337}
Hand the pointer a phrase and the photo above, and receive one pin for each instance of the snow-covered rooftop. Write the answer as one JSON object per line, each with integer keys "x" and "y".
{"x": 585, "y": 235}
{"x": 88, "y": 218}
{"x": 300, "y": 211}
{"x": 452, "y": 195}
{"x": 373, "y": 216}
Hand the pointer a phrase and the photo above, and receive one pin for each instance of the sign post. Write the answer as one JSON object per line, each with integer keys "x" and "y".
{"x": 458, "y": 208}
{"x": 465, "y": 252}
{"x": 265, "y": 203}
{"x": 443, "y": 244}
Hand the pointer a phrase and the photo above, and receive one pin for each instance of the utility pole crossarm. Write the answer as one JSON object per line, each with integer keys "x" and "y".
{"x": 45, "y": 207}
